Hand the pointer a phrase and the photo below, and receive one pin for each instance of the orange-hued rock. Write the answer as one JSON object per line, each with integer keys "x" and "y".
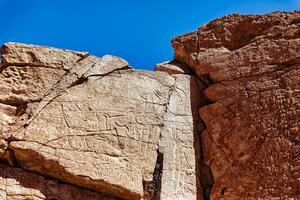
{"x": 252, "y": 136}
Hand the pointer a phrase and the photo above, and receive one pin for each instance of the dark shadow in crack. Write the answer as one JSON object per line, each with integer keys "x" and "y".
{"x": 152, "y": 189}
{"x": 203, "y": 174}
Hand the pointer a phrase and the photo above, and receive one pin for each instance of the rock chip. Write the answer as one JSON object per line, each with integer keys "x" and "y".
{"x": 172, "y": 67}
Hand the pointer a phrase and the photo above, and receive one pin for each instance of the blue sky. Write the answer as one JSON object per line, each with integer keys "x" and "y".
{"x": 137, "y": 30}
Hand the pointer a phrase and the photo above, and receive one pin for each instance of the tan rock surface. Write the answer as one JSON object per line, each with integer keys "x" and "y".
{"x": 17, "y": 54}
{"x": 252, "y": 140}
{"x": 27, "y": 74}
{"x": 172, "y": 67}
{"x": 17, "y": 184}
{"x": 180, "y": 142}
{"x": 96, "y": 124}
{"x": 102, "y": 134}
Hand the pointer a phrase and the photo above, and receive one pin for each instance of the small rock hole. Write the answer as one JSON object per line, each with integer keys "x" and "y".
{"x": 223, "y": 190}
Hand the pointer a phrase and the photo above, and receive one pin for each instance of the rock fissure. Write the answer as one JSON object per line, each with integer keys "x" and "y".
{"x": 205, "y": 179}
{"x": 152, "y": 189}
{"x": 68, "y": 81}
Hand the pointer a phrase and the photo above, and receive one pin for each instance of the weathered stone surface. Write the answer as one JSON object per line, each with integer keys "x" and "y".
{"x": 179, "y": 142}
{"x": 252, "y": 137}
{"x": 74, "y": 126}
{"x": 172, "y": 67}
{"x": 84, "y": 69}
{"x": 17, "y": 184}
{"x": 105, "y": 130}
{"x": 17, "y": 54}
{"x": 95, "y": 123}
{"x": 27, "y": 74}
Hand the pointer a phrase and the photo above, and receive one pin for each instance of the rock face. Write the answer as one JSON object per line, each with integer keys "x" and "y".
{"x": 252, "y": 136}
{"x": 16, "y": 184}
{"x": 96, "y": 123}
{"x": 218, "y": 122}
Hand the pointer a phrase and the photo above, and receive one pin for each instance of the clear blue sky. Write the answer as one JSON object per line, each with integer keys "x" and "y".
{"x": 137, "y": 30}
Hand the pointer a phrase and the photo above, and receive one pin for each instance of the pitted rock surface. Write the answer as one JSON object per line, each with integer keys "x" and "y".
{"x": 252, "y": 137}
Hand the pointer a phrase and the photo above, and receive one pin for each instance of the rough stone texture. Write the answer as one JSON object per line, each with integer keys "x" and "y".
{"x": 17, "y": 184}
{"x": 105, "y": 130}
{"x": 252, "y": 66}
{"x": 179, "y": 141}
{"x": 74, "y": 126}
{"x": 95, "y": 123}
{"x": 27, "y": 74}
{"x": 172, "y": 67}
{"x": 16, "y": 54}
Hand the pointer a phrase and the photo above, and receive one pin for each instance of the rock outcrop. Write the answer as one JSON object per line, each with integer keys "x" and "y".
{"x": 220, "y": 121}
{"x": 97, "y": 124}
{"x": 252, "y": 135}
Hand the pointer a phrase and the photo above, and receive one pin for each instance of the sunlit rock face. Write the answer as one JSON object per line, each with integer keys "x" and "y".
{"x": 251, "y": 140}
{"x": 220, "y": 121}
{"x": 97, "y": 124}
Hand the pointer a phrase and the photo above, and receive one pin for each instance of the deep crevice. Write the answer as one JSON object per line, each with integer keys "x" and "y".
{"x": 206, "y": 80}
{"x": 204, "y": 177}
{"x": 206, "y": 180}
{"x": 152, "y": 189}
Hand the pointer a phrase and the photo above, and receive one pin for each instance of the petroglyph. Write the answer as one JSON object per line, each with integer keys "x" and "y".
{"x": 109, "y": 135}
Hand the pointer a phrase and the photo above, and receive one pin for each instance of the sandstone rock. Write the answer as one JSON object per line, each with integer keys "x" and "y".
{"x": 75, "y": 126}
{"x": 252, "y": 140}
{"x": 86, "y": 68}
{"x": 172, "y": 67}
{"x": 17, "y": 184}
{"x": 99, "y": 125}
{"x": 180, "y": 143}
{"x": 16, "y": 54}
{"x": 102, "y": 134}
{"x": 27, "y": 74}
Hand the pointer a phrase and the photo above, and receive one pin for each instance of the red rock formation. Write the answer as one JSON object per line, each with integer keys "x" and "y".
{"x": 252, "y": 136}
